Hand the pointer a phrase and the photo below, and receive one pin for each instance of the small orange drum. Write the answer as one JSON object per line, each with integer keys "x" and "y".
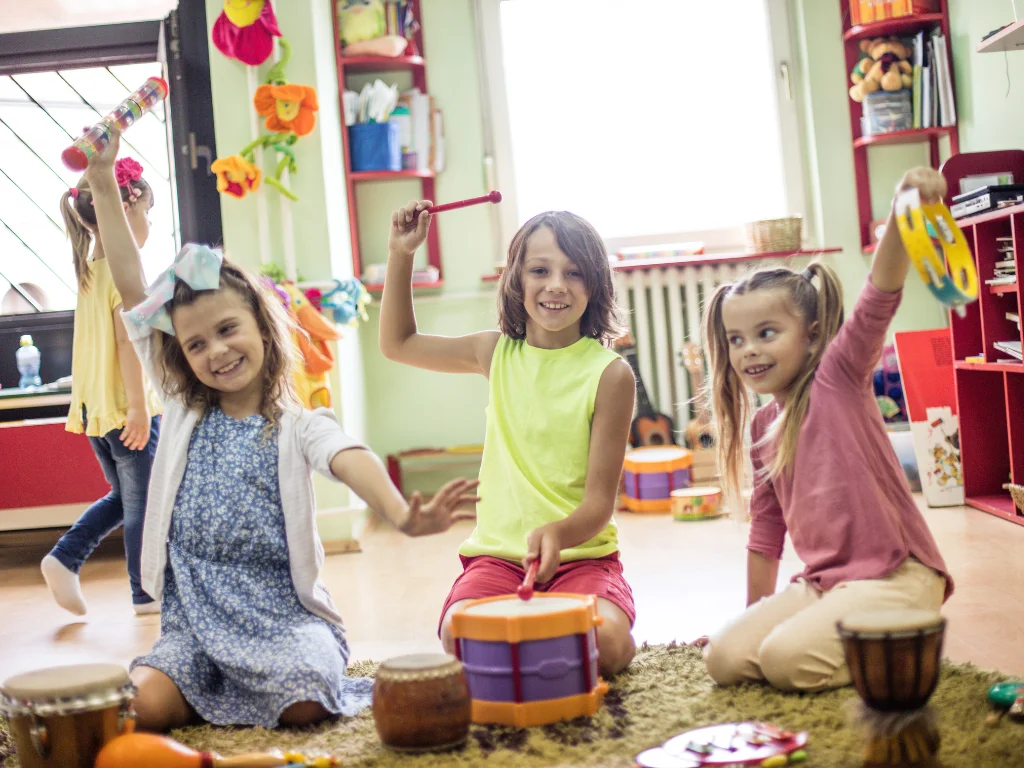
{"x": 649, "y": 475}
{"x": 530, "y": 662}
{"x": 701, "y": 503}
{"x": 421, "y": 702}
{"x": 62, "y": 716}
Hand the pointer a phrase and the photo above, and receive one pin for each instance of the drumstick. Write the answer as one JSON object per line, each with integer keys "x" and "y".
{"x": 491, "y": 197}
{"x": 135, "y": 749}
{"x": 525, "y": 590}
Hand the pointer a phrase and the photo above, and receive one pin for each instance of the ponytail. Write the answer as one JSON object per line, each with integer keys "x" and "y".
{"x": 78, "y": 233}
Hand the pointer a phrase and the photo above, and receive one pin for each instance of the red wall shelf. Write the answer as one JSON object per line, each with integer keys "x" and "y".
{"x": 416, "y": 65}
{"x": 905, "y": 26}
{"x": 989, "y": 395}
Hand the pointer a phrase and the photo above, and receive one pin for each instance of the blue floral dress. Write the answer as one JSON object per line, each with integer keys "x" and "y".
{"x": 234, "y": 637}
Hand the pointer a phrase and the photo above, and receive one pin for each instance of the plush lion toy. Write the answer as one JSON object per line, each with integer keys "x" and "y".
{"x": 884, "y": 66}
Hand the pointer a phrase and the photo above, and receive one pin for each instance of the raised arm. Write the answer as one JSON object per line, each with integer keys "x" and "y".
{"x": 890, "y": 265}
{"x": 400, "y": 340}
{"x": 120, "y": 248}
{"x": 609, "y": 432}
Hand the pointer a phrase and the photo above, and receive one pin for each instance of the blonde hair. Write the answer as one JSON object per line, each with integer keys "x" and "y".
{"x": 732, "y": 405}
{"x": 79, "y": 216}
{"x": 279, "y": 358}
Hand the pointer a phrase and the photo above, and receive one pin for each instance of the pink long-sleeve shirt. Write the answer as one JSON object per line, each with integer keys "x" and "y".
{"x": 846, "y": 504}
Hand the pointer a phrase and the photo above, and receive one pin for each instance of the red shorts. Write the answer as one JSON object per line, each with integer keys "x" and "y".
{"x": 486, "y": 576}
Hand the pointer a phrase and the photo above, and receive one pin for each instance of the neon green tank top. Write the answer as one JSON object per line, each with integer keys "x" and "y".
{"x": 536, "y": 449}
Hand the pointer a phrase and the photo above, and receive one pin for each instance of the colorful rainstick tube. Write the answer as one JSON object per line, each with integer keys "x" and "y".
{"x": 153, "y": 91}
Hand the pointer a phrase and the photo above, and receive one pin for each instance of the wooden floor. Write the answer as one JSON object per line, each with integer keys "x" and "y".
{"x": 687, "y": 578}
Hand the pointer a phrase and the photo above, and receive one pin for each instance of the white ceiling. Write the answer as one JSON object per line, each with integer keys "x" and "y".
{"x": 25, "y": 15}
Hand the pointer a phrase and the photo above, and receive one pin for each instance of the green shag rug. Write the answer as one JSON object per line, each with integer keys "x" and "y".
{"x": 665, "y": 691}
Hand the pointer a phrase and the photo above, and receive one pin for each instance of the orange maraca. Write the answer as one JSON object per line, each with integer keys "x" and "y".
{"x": 135, "y": 749}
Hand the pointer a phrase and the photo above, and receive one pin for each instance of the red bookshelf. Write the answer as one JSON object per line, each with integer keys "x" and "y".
{"x": 990, "y": 395}
{"x": 903, "y": 27}
{"x": 416, "y": 65}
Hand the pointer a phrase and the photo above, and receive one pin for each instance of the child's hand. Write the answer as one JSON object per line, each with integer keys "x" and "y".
{"x": 439, "y": 513}
{"x": 929, "y": 182}
{"x": 135, "y": 434}
{"x": 102, "y": 163}
{"x": 544, "y": 543}
{"x": 409, "y": 227}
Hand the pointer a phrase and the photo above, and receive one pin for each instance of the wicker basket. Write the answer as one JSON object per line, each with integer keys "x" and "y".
{"x": 1017, "y": 492}
{"x": 774, "y": 235}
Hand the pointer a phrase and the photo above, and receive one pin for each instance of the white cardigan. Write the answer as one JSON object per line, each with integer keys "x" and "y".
{"x": 307, "y": 440}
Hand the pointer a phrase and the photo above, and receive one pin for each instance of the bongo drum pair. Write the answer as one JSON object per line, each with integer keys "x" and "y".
{"x": 62, "y": 716}
{"x": 530, "y": 662}
{"x": 894, "y": 658}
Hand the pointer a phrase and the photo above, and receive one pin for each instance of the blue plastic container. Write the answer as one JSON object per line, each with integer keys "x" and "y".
{"x": 375, "y": 146}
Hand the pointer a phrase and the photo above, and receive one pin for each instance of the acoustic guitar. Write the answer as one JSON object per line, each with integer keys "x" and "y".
{"x": 698, "y": 432}
{"x": 649, "y": 427}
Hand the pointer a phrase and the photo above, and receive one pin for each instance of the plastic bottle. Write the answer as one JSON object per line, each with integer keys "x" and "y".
{"x": 28, "y": 363}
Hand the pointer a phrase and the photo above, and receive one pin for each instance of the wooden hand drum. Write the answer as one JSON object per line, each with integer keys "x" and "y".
{"x": 894, "y": 658}
{"x": 62, "y": 716}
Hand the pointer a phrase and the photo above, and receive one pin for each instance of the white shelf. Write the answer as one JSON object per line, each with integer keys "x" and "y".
{"x": 1010, "y": 38}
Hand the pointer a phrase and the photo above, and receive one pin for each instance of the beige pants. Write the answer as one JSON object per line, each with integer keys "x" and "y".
{"x": 790, "y": 638}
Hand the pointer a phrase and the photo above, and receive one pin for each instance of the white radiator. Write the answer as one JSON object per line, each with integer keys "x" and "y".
{"x": 664, "y": 307}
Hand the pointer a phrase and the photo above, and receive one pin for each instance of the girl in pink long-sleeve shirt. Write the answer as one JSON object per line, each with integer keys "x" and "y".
{"x": 824, "y": 469}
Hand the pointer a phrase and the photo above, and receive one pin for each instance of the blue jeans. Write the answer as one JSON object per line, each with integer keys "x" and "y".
{"x": 127, "y": 471}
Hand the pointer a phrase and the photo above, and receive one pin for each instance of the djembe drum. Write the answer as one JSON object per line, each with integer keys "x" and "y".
{"x": 894, "y": 659}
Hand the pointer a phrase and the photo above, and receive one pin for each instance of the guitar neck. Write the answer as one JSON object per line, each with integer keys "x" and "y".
{"x": 643, "y": 402}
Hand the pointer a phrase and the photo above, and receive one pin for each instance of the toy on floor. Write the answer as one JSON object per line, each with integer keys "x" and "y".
{"x": 139, "y": 102}
{"x": 62, "y": 716}
{"x": 1009, "y": 698}
{"x": 491, "y": 197}
{"x": 749, "y": 743}
{"x": 137, "y": 749}
{"x": 955, "y": 288}
{"x": 530, "y": 662}
{"x": 700, "y": 503}
{"x": 651, "y": 473}
{"x": 421, "y": 703}
{"x": 525, "y": 590}
{"x": 894, "y": 658}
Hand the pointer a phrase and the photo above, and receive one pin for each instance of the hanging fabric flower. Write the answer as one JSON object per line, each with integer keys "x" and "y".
{"x": 245, "y": 30}
{"x": 236, "y": 176}
{"x": 288, "y": 108}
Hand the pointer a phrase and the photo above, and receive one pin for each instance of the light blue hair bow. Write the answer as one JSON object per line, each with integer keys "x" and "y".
{"x": 197, "y": 265}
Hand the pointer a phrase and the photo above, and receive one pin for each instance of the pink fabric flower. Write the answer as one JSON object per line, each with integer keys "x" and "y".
{"x": 245, "y": 30}
{"x": 127, "y": 170}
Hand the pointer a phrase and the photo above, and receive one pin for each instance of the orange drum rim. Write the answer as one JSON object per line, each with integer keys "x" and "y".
{"x": 577, "y": 620}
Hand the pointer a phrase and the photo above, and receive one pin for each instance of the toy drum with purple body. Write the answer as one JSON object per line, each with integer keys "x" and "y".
{"x": 650, "y": 474}
{"x": 530, "y": 662}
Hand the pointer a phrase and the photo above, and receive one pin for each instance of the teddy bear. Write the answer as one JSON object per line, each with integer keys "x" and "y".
{"x": 884, "y": 65}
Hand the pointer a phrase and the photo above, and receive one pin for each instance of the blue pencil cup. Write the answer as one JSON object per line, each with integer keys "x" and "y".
{"x": 375, "y": 147}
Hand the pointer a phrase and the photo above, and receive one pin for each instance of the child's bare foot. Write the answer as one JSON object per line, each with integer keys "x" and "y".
{"x": 700, "y": 642}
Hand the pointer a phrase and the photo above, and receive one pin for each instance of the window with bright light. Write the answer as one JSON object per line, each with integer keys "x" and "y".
{"x": 41, "y": 114}
{"x": 647, "y": 117}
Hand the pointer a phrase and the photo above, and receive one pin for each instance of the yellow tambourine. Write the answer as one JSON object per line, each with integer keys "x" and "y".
{"x": 955, "y": 288}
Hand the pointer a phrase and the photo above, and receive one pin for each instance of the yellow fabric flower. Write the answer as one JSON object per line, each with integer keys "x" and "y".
{"x": 236, "y": 176}
{"x": 288, "y": 108}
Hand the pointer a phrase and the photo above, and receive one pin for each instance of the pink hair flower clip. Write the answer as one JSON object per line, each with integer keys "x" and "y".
{"x": 73, "y": 192}
{"x": 127, "y": 170}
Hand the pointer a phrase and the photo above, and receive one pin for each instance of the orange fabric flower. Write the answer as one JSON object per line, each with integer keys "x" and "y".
{"x": 236, "y": 176}
{"x": 288, "y": 108}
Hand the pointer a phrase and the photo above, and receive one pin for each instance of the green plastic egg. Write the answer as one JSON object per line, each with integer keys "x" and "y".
{"x": 1004, "y": 694}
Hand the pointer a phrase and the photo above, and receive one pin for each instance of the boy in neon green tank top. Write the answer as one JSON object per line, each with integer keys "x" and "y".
{"x": 558, "y": 415}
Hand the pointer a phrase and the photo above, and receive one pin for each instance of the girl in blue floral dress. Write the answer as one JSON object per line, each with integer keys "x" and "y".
{"x": 248, "y": 633}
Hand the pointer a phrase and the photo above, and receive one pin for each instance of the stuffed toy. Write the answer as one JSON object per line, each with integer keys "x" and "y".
{"x": 884, "y": 66}
{"x": 360, "y": 20}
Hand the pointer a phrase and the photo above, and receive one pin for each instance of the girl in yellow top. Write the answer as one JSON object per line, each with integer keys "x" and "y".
{"x": 558, "y": 417}
{"x": 111, "y": 402}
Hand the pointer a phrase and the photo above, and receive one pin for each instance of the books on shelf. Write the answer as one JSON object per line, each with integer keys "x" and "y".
{"x": 933, "y": 102}
{"x": 1013, "y": 317}
{"x": 423, "y": 137}
{"x": 1010, "y": 348}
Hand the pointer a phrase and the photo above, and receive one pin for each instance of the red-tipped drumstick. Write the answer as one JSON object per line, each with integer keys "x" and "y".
{"x": 525, "y": 590}
{"x": 491, "y": 197}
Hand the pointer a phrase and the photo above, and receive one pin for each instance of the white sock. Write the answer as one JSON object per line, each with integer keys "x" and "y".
{"x": 142, "y": 609}
{"x": 63, "y": 585}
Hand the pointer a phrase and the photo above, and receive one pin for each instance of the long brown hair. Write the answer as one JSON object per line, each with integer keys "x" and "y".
{"x": 276, "y": 385}
{"x": 731, "y": 403}
{"x": 578, "y": 240}
{"x": 79, "y": 216}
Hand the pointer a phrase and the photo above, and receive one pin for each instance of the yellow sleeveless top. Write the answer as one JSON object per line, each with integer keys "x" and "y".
{"x": 536, "y": 449}
{"x": 96, "y": 379}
